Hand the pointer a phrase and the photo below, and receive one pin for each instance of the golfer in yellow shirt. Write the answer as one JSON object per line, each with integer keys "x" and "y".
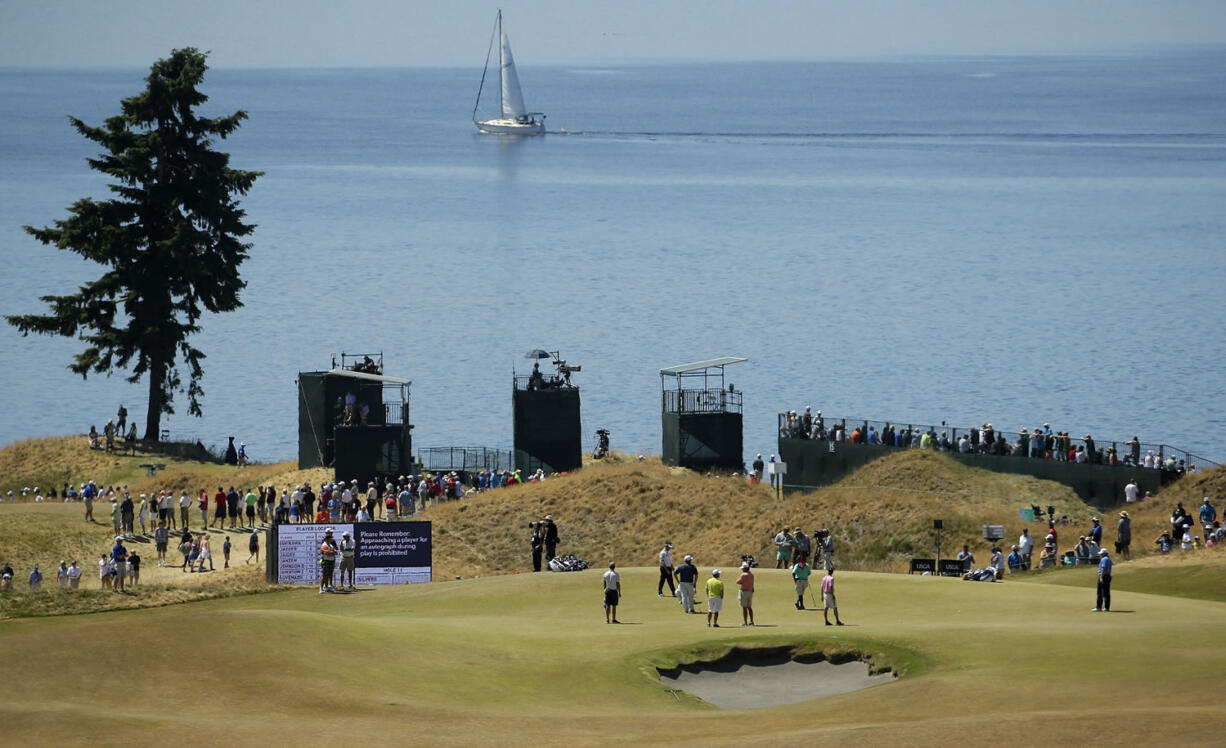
{"x": 715, "y": 598}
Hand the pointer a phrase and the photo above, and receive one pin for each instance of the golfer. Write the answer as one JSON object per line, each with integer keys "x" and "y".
{"x": 348, "y": 551}
{"x": 800, "y": 575}
{"x": 715, "y": 598}
{"x": 666, "y": 571}
{"x": 327, "y": 561}
{"x": 1103, "y": 602}
{"x": 745, "y": 594}
{"x": 612, "y": 583}
{"x": 687, "y": 577}
{"x": 828, "y": 601}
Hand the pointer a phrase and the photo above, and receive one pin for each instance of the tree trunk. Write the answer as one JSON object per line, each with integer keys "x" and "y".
{"x": 153, "y": 416}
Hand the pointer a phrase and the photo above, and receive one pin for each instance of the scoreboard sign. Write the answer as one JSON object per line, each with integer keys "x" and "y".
{"x": 385, "y": 552}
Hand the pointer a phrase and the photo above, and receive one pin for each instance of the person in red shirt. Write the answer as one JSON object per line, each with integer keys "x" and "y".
{"x": 219, "y": 511}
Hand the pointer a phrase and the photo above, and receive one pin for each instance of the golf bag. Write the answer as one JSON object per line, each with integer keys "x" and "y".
{"x": 567, "y": 563}
{"x": 980, "y": 575}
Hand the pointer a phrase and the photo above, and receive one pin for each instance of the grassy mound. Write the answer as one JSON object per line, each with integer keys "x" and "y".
{"x": 618, "y": 509}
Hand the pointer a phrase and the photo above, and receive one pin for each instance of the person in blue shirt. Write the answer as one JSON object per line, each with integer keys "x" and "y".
{"x": 1207, "y": 513}
{"x": 1096, "y": 532}
{"x": 119, "y": 555}
{"x": 1103, "y": 603}
{"x": 1014, "y": 561}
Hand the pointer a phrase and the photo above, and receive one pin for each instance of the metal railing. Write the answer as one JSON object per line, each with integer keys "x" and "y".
{"x": 471, "y": 459}
{"x": 395, "y": 414}
{"x": 547, "y": 383}
{"x": 792, "y": 425}
{"x": 700, "y": 401}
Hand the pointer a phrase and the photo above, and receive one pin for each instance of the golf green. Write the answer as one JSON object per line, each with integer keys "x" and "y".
{"x": 524, "y": 659}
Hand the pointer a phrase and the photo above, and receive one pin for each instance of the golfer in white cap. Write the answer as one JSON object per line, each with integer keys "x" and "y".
{"x": 745, "y": 594}
{"x": 1103, "y": 601}
{"x": 666, "y": 572}
{"x": 348, "y": 549}
{"x": 687, "y": 577}
{"x": 715, "y": 598}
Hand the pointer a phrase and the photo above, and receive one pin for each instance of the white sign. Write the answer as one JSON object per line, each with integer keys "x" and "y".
{"x": 385, "y": 552}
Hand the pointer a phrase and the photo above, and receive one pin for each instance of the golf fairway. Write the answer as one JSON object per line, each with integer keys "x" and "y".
{"x": 528, "y": 659}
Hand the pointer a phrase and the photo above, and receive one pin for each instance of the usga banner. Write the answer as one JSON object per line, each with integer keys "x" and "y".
{"x": 385, "y": 552}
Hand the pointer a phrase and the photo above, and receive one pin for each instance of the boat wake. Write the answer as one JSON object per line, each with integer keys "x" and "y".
{"x": 1187, "y": 138}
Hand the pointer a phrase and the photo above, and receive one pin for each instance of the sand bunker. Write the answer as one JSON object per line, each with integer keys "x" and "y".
{"x": 736, "y": 682}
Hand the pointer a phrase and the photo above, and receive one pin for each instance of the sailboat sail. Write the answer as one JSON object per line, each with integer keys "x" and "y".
{"x": 512, "y": 96}
{"x": 513, "y": 117}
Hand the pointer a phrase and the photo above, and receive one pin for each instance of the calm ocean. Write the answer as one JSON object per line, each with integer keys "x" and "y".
{"x": 1020, "y": 240}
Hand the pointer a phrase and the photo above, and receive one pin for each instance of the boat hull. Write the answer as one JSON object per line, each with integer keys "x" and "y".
{"x": 511, "y": 127}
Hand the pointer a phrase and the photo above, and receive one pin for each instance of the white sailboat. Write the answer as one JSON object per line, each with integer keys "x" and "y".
{"x": 515, "y": 119}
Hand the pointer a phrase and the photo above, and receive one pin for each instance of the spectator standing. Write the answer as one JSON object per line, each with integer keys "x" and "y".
{"x": 6, "y": 577}
{"x": 250, "y": 499}
{"x": 206, "y": 552}
{"x": 745, "y": 594}
{"x": 1207, "y": 514}
{"x": 225, "y": 552}
{"x": 687, "y": 577}
{"x": 551, "y": 538}
{"x": 1025, "y": 546}
{"x": 612, "y": 583}
{"x": 1103, "y": 599}
{"x": 232, "y": 507}
{"x": 715, "y": 598}
{"x": 1096, "y": 531}
{"x": 134, "y": 566}
{"x": 1014, "y": 561}
{"x": 74, "y": 576}
{"x": 161, "y": 539}
{"x": 800, "y": 577}
{"x": 783, "y": 549}
{"x": 127, "y": 511}
{"x": 185, "y": 506}
{"x": 116, "y": 521}
{"x": 119, "y": 558}
{"x": 253, "y": 546}
{"x": 967, "y": 558}
{"x": 537, "y": 544}
{"x": 61, "y": 576}
{"x": 1130, "y": 492}
{"x": 666, "y": 572}
{"x": 219, "y": 509}
{"x": 828, "y": 600}
{"x": 998, "y": 562}
{"x": 104, "y": 571}
{"x": 825, "y": 544}
{"x": 802, "y": 544}
{"x": 36, "y": 579}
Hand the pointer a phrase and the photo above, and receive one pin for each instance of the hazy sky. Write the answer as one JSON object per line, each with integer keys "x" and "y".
{"x": 324, "y": 33}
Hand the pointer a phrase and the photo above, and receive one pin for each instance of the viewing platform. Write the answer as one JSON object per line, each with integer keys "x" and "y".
{"x": 820, "y": 450}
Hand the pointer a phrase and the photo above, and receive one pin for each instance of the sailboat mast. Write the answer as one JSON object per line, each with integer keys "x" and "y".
{"x": 502, "y": 68}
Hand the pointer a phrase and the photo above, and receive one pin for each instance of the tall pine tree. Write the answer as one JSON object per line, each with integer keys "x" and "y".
{"x": 170, "y": 239}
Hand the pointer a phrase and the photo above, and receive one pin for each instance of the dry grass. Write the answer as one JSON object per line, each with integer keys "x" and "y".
{"x": 620, "y": 509}
{"x": 880, "y": 517}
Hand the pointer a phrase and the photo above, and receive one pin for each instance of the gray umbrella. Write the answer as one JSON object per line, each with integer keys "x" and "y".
{"x": 538, "y": 353}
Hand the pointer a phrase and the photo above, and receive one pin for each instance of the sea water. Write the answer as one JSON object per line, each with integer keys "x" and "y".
{"x": 1014, "y": 239}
